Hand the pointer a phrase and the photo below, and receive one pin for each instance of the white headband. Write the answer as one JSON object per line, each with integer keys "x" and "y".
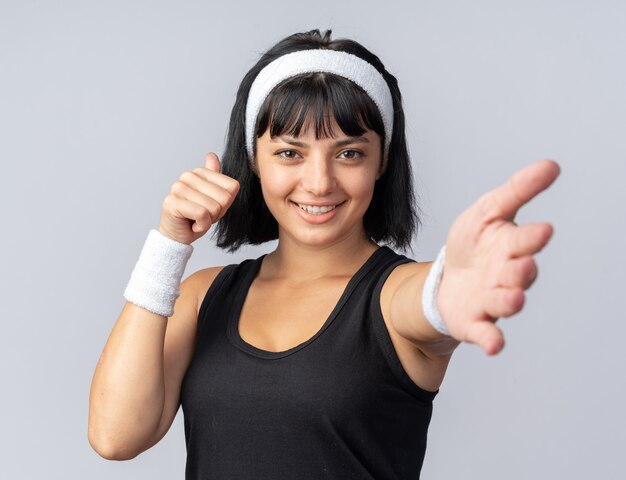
{"x": 304, "y": 61}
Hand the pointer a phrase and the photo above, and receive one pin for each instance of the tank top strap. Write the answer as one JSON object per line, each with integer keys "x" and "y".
{"x": 225, "y": 290}
{"x": 382, "y": 334}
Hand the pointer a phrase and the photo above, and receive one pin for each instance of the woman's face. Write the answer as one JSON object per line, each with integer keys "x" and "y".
{"x": 319, "y": 190}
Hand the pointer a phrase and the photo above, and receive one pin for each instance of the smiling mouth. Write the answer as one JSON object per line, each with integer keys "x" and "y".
{"x": 316, "y": 209}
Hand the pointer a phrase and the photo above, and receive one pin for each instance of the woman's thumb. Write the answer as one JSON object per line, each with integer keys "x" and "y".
{"x": 212, "y": 162}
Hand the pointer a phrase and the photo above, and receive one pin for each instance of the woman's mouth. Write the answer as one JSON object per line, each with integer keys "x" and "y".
{"x": 317, "y": 209}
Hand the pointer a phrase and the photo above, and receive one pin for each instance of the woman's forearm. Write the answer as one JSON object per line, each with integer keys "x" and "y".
{"x": 127, "y": 391}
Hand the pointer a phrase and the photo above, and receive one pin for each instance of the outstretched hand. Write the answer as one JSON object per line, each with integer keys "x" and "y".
{"x": 489, "y": 258}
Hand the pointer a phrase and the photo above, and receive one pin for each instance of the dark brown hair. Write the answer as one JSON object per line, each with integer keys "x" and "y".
{"x": 391, "y": 216}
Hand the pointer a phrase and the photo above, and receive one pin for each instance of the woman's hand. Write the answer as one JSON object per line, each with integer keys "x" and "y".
{"x": 489, "y": 259}
{"x": 197, "y": 200}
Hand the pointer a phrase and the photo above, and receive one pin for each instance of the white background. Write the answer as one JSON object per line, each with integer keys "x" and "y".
{"x": 104, "y": 104}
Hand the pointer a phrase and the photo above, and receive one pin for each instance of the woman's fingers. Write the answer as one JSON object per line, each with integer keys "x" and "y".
{"x": 200, "y": 200}
{"x": 503, "y": 302}
{"x": 504, "y": 201}
{"x": 486, "y": 335}
{"x": 206, "y": 188}
{"x": 518, "y": 273}
{"x": 214, "y": 191}
{"x": 227, "y": 183}
{"x": 529, "y": 239}
{"x": 186, "y": 209}
{"x": 499, "y": 302}
{"x": 215, "y": 205}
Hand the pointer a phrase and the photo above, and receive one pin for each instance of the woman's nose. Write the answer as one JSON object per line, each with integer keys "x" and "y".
{"x": 319, "y": 176}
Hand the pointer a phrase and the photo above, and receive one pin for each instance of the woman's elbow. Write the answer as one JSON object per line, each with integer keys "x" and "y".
{"x": 109, "y": 449}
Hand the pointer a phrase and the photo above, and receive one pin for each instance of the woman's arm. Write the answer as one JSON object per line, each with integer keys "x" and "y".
{"x": 401, "y": 296}
{"x": 135, "y": 391}
{"x": 488, "y": 265}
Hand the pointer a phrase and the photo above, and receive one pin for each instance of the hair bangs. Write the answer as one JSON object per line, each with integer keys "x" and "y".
{"x": 313, "y": 100}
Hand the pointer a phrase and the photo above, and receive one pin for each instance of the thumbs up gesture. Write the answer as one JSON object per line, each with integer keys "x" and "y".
{"x": 197, "y": 200}
{"x": 489, "y": 258}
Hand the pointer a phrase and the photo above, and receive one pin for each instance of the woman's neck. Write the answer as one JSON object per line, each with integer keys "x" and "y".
{"x": 301, "y": 262}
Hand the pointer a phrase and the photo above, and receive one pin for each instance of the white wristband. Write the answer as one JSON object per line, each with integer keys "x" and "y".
{"x": 155, "y": 281}
{"x": 429, "y": 294}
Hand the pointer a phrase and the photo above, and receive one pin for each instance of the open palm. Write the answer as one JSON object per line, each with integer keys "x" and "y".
{"x": 489, "y": 258}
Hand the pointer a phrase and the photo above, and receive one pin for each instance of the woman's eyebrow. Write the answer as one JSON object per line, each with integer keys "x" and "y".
{"x": 349, "y": 140}
{"x": 338, "y": 143}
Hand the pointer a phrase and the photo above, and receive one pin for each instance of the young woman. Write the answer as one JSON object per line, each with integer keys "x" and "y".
{"x": 320, "y": 359}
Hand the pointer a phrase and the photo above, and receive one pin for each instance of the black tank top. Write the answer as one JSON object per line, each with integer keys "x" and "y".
{"x": 338, "y": 406}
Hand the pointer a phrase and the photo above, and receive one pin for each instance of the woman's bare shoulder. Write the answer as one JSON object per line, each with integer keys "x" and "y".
{"x": 201, "y": 280}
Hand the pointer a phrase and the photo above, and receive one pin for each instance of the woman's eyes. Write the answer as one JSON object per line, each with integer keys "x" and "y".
{"x": 353, "y": 154}
{"x": 346, "y": 154}
{"x": 290, "y": 154}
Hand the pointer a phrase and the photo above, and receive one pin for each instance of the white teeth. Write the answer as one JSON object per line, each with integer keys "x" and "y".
{"x": 315, "y": 210}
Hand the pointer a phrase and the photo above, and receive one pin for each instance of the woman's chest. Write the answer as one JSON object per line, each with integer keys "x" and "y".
{"x": 277, "y": 316}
